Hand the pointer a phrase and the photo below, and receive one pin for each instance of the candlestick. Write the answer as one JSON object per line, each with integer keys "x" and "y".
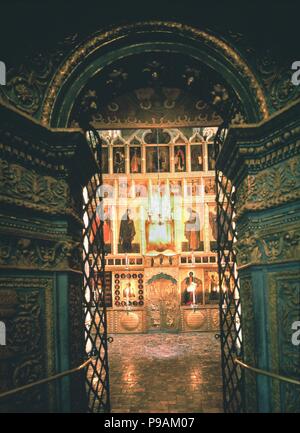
{"x": 193, "y": 258}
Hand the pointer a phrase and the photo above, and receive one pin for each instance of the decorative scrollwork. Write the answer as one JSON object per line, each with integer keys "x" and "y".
{"x": 20, "y": 183}
{"x": 248, "y": 327}
{"x": 33, "y": 253}
{"x": 257, "y": 247}
{"x": 284, "y": 309}
{"x": 276, "y": 185}
{"x": 29, "y": 339}
{"x": 103, "y": 37}
{"x": 27, "y": 84}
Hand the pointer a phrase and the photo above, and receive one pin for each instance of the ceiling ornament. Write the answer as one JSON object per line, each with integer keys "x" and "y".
{"x": 86, "y": 48}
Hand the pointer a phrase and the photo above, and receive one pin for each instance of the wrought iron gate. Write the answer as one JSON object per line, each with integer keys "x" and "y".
{"x": 230, "y": 307}
{"x": 97, "y": 375}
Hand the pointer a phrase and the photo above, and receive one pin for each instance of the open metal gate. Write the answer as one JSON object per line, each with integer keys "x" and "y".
{"x": 230, "y": 306}
{"x": 97, "y": 374}
{"x": 97, "y": 377}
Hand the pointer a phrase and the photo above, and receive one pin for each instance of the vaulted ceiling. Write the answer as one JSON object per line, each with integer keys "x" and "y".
{"x": 153, "y": 88}
{"x": 36, "y": 38}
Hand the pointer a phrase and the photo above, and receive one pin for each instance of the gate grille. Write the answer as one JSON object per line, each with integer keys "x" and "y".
{"x": 230, "y": 306}
{"x": 97, "y": 377}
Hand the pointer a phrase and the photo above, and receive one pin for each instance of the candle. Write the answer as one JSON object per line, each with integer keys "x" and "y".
{"x": 193, "y": 258}
{"x": 192, "y": 288}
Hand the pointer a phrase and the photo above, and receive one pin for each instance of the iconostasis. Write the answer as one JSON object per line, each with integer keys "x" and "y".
{"x": 159, "y": 226}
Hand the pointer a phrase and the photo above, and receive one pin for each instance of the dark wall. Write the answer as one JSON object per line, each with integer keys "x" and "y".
{"x": 25, "y": 24}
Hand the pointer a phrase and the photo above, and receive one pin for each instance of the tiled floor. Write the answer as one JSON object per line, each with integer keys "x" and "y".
{"x": 165, "y": 373}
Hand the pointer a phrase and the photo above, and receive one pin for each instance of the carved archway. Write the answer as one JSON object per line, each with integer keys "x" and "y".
{"x": 105, "y": 48}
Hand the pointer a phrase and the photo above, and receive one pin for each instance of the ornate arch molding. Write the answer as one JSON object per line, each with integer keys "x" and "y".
{"x": 161, "y": 276}
{"x": 106, "y": 47}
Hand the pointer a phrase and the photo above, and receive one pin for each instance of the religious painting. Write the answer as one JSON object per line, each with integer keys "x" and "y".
{"x": 159, "y": 233}
{"x": 175, "y": 188}
{"x": 103, "y": 213}
{"x": 179, "y": 159}
{"x": 191, "y": 290}
{"x": 194, "y": 188}
{"x": 107, "y": 227}
{"x": 119, "y": 159}
{"x": 213, "y": 226}
{"x": 129, "y": 289}
{"x": 135, "y": 159}
{"x": 130, "y": 189}
{"x": 209, "y": 185}
{"x": 211, "y": 156}
{"x": 159, "y": 222}
{"x": 212, "y": 287}
{"x": 157, "y": 135}
{"x": 106, "y": 190}
{"x": 141, "y": 188}
{"x": 197, "y": 157}
{"x": 128, "y": 232}
{"x": 193, "y": 230}
{"x": 162, "y": 297}
{"x": 104, "y": 160}
{"x": 97, "y": 288}
{"x": 158, "y": 159}
{"x": 123, "y": 187}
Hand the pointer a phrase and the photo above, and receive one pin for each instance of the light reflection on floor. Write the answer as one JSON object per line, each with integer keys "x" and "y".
{"x": 165, "y": 373}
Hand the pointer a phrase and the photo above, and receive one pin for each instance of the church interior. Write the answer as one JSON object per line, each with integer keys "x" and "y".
{"x": 159, "y": 230}
{"x": 149, "y": 220}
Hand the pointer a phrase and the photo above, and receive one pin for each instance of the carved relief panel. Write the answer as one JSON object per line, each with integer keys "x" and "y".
{"x": 30, "y": 342}
{"x": 162, "y": 303}
{"x": 284, "y": 310}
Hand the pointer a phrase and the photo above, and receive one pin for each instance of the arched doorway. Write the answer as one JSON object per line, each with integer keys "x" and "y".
{"x": 94, "y": 89}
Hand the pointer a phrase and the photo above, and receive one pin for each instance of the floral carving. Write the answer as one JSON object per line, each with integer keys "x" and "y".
{"x": 277, "y": 80}
{"x": 249, "y": 341}
{"x": 284, "y": 309}
{"x": 270, "y": 187}
{"x": 28, "y": 82}
{"x": 248, "y": 248}
{"x": 259, "y": 247}
{"x": 26, "y": 339}
{"x": 29, "y": 253}
{"x": 283, "y": 91}
{"x": 21, "y": 183}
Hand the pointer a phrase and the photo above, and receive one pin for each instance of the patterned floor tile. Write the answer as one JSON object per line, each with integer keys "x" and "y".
{"x": 165, "y": 373}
